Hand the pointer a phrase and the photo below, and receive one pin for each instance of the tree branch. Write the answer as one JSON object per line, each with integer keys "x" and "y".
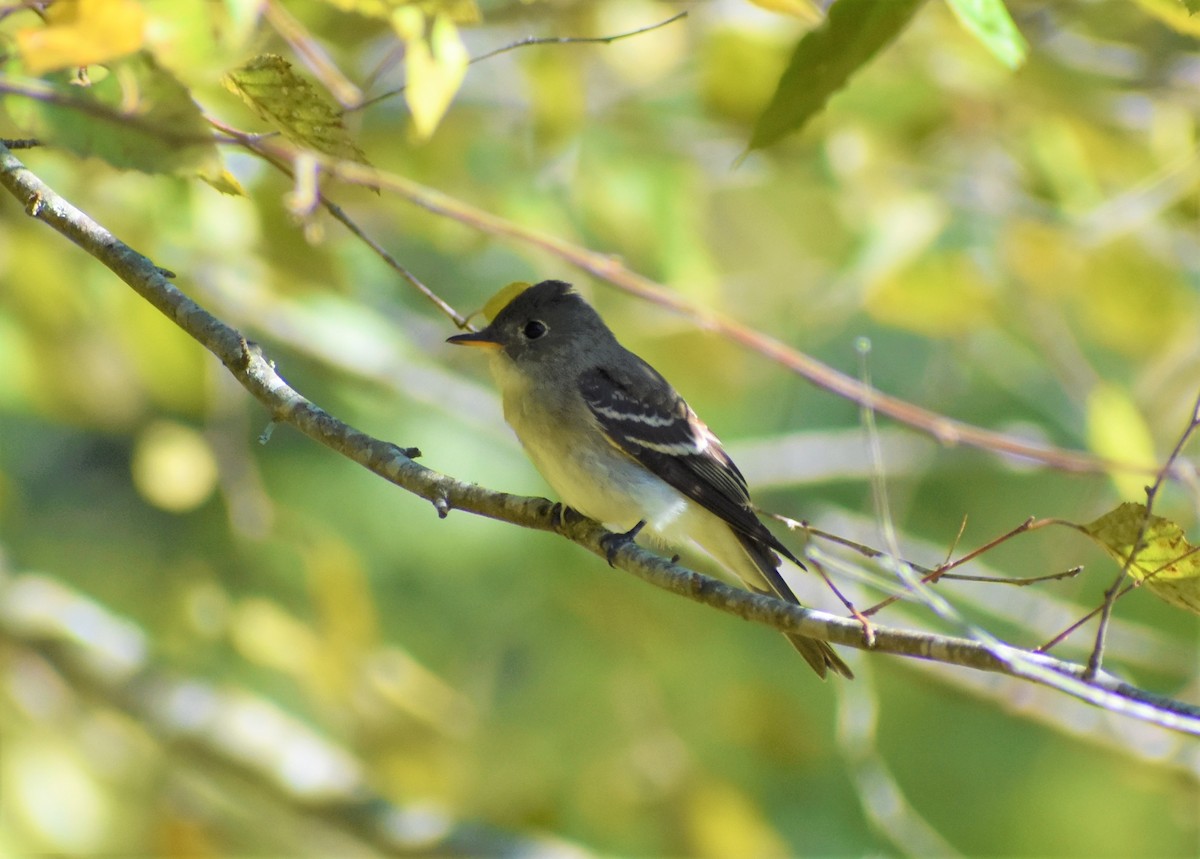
{"x": 947, "y": 431}
{"x": 285, "y": 405}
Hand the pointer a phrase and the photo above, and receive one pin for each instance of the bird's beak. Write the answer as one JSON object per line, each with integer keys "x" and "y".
{"x": 484, "y": 337}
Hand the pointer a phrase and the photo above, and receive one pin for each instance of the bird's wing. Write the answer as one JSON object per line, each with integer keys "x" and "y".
{"x": 643, "y": 415}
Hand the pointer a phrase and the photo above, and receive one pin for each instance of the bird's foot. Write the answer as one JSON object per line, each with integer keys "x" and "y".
{"x": 613, "y": 543}
{"x": 562, "y": 516}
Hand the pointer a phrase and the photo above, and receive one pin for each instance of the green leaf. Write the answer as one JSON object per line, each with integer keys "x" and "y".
{"x": 1193, "y": 6}
{"x": 824, "y": 60}
{"x": 293, "y": 106}
{"x": 989, "y": 22}
{"x": 1163, "y": 561}
{"x": 134, "y": 115}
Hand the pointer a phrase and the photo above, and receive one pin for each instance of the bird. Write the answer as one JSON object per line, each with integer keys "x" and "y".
{"x": 618, "y": 444}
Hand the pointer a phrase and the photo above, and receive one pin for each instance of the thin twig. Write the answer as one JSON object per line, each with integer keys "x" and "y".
{"x": 1114, "y": 590}
{"x": 540, "y": 40}
{"x": 340, "y": 215}
{"x": 1018, "y": 582}
{"x": 578, "y": 40}
{"x": 314, "y": 57}
{"x": 605, "y": 267}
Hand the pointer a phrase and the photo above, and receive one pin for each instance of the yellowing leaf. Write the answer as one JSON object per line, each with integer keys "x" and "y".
{"x": 1164, "y": 561}
{"x": 82, "y": 32}
{"x": 225, "y": 182}
{"x": 293, "y": 106}
{"x": 435, "y": 65}
{"x": 1173, "y": 14}
{"x": 805, "y": 10}
{"x": 502, "y": 298}
{"x": 1117, "y": 431}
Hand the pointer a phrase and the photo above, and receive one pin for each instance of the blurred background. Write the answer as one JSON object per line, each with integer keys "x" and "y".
{"x": 210, "y": 645}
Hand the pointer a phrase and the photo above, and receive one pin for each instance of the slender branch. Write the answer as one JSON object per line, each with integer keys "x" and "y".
{"x": 577, "y": 40}
{"x": 285, "y": 405}
{"x": 1114, "y": 590}
{"x": 541, "y": 40}
{"x": 946, "y": 430}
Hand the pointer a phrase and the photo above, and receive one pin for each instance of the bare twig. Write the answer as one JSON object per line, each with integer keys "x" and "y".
{"x": 314, "y": 57}
{"x": 542, "y": 40}
{"x": 1114, "y": 590}
{"x": 285, "y": 166}
{"x": 946, "y": 430}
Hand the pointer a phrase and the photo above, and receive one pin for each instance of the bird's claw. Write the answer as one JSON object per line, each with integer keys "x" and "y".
{"x": 613, "y": 543}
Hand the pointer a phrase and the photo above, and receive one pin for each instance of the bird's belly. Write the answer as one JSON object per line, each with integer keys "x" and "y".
{"x": 588, "y": 473}
{"x": 611, "y": 488}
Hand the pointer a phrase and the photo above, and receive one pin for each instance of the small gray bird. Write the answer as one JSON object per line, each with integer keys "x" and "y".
{"x": 618, "y": 444}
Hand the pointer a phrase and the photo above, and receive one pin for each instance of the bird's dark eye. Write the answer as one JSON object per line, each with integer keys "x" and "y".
{"x": 534, "y": 329}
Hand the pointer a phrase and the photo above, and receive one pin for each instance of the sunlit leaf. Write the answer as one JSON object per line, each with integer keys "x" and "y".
{"x": 824, "y": 60}
{"x": 138, "y": 117}
{"x": 990, "y": 23}
{"x": 225, "y": 182}
{"x": 805, "y": 10}
{"x": 435, "y": 65}
{"x": 1164, "y": 561}
{"x": 293, "y": 106}
{"x": 82, "y": 32}
{"x": 1175, "y": 15}
{"x": 501, "y": 299}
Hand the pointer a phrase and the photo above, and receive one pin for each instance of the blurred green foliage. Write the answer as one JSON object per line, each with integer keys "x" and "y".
{"x": 1012, "y": 243}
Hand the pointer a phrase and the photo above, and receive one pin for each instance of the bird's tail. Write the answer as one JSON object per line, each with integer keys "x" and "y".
{"x": 818, "y": 654}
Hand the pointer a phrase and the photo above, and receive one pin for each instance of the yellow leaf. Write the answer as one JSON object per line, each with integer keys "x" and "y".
{"x": 1172, "y": 13}
{"x": 806, "y": 10}
{"x": 501, "y": 299}
{"x": 435, "y": 65}
{"x": 82, "y": 32}
{"x": 1117, "y": 431}
{"x": 225, "y": 182}
{"x": 1164, "y": 561}
{"x": 271, "y": 87}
